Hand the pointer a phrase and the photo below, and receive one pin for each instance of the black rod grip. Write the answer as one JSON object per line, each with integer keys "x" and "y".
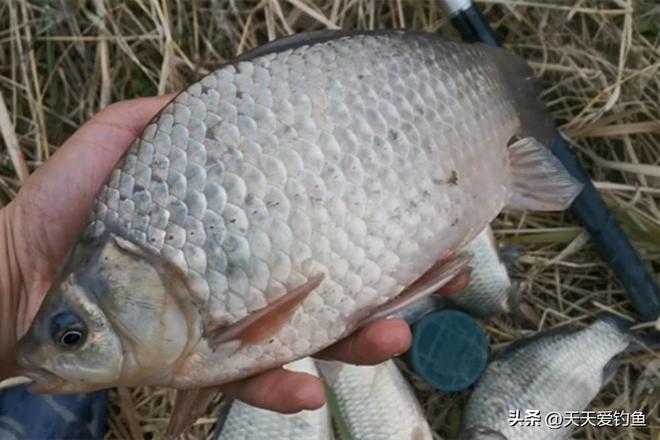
{"x": 473, "y": 27}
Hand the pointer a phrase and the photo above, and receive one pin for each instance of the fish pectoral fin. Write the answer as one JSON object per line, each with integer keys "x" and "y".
{"x": 189, "y": 405}
{"x": 264, "y": 323}
{"x": 539, "y": 181}
{"x": 438, "y": 276}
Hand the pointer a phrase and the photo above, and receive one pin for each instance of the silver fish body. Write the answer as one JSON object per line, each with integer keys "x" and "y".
{"x": 245, "y": 422}
{"x": 273, "y": 205}
{"x": 376, "y": 402}
{"x": 305, "y": 162}
{"x": 490, "y": 291}
{"x": 557, "y": 372}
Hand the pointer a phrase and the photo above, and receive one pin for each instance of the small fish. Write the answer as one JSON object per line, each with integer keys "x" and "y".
{"x": 490, "y": 291}
{"x": 275, "y": 205}
{"x": 375, "y": 402}
{"x": 245, "y": 422}
{"x": 558, "y": 371}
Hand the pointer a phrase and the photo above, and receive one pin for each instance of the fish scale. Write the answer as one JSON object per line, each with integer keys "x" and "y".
{"x": 233, "y": 182}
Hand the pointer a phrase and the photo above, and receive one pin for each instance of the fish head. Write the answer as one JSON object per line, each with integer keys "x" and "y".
{"x": 111, "y": 318}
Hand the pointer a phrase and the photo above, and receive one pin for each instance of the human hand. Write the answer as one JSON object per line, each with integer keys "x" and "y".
{"x": 38, "y": 228}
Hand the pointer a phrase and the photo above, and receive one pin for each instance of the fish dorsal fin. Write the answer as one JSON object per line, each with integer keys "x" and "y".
{"x": 292, "y": 42}
{"x": 301, "y": 39}
{"x": 438, "y": 276}
{"x": 539, "y": 181}
{"x": 189, "y": 405}
{"x": 264, "y": 323}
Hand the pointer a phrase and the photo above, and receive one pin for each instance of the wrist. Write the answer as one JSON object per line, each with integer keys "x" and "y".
{"x": 10, "y": 290}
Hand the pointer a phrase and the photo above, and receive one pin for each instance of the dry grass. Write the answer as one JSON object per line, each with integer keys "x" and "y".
{"x": 60, "y": 62}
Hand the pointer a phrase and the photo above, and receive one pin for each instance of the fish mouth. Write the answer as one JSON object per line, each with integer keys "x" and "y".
{"x": 43, "y": 381}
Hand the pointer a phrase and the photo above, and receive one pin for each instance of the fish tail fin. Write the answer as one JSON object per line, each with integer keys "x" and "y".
{"x": 520, "y": 311}
{"x": 539, "y": 181}
{"x": 639, "y": 342}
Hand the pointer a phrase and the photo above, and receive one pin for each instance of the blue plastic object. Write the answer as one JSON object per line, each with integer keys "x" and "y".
{"x": 449, "y": 350}
{"x": 24, "y": 415}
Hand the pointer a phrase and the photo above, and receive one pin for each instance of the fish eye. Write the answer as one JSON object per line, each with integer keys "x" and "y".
{"x": 67, "y": 329}
{"x": 71, "y": 338}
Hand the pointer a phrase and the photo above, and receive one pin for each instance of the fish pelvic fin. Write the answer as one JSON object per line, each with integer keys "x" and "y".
{"x": 266, "y": 322}
{"x": 538, "y": 180}
{"x": 189, "y": 405}
{"x": 439, "y": 275}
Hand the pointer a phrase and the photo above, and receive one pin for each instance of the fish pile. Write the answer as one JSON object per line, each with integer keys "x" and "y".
{"x": 275, "y": 206}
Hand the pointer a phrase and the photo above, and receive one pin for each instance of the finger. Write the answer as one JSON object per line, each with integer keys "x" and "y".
{"x": 279, "y": 390}
{"x": 455, "y": 286}
{"x": 372, "y": 344}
